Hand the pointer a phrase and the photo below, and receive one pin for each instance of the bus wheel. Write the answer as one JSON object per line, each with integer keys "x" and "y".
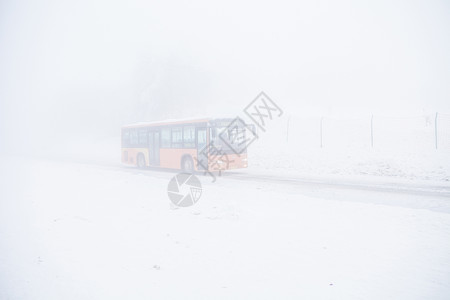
{"x": 140, "y": 161}
{"x": 187, "y": 165}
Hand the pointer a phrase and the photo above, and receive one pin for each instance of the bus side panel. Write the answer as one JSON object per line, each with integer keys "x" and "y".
{"x": 171, "y": 157}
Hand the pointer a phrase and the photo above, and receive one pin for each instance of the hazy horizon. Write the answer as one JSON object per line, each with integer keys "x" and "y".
{"x": 68, "y": 68}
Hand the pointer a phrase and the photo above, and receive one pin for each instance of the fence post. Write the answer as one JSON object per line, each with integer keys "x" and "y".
{"x": 321, "y": 132}
{"x": 371, "y": 130}
{"x": 287, "y": 130}
{"x": 436, "y": 130}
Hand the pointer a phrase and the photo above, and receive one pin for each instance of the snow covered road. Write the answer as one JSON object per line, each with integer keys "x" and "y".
{"x": 78, "y": 231}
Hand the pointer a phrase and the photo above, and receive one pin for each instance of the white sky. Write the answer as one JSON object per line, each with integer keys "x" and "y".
{"x": 81, "y": 62}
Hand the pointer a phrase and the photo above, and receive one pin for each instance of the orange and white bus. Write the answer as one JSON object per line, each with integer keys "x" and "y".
{"x": 190, "y": 145}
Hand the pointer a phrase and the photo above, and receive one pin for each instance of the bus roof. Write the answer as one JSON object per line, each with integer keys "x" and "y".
{"x": 166, "y": 122}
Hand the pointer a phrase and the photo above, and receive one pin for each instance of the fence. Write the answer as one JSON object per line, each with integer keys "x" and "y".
{"x": 425, "y": 132}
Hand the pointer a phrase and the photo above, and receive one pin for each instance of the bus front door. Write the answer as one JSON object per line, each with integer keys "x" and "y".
{"x": 153, "y": 148}
{"x": 202, "y": 149}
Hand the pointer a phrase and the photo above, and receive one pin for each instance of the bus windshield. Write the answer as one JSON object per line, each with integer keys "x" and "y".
{"x": 228, "y": 139}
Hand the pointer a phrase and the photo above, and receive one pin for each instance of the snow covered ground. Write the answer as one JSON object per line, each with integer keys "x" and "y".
{"x": 347, "y": 190}
{"x": 93, "y": 231}
{"x": 345, "y": 221}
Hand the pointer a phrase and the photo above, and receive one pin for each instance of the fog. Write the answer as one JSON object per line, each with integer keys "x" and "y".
{"x": 343, "y": 194}
{"x": 84, "y": 68}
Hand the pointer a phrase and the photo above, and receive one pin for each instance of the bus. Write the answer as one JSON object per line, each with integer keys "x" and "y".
{"x": 188, "y": 145}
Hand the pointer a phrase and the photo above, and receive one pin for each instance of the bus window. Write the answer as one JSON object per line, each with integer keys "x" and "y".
{"x": 228, "y": 139}
{"x": 236, "y": 135}
{"x": 143, "y": 137}
{"x": 189, "y": 136}
{"x": 201, "y": 138}
{"x": 165, "y": 138}
{"x": 177, "y": 137}
{"x": 133, "y": 137}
